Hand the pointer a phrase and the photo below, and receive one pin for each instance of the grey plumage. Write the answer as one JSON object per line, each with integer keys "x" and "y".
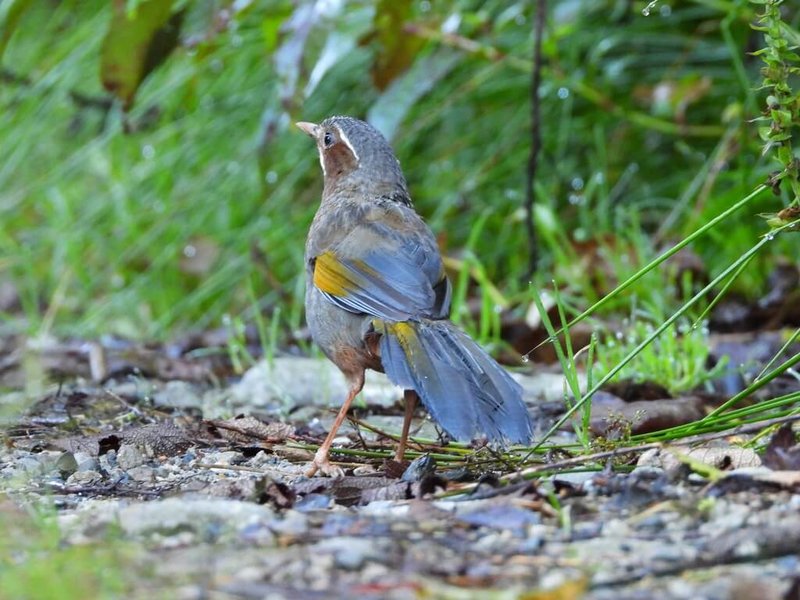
{"x": 378, "y": 296}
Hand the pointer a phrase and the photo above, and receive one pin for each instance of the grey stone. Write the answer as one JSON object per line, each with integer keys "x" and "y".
{"x": 348, "y": 552}
{"x": 293, "y": 523}
{"x": 142, "y": 473}
{"x": 229, "y": 457}
{"x": 66, "y": 464}
{"x": 86, "y": 462}
{"x": 30, "y": 465}
{"x": 286, "y": 382}
{"x": 168, "y": 516}
{"x": 84, "y": 479}
{"x": 290, "y": 381}
{"x": 178, "y": 394}
{"x": 129, "y": 457}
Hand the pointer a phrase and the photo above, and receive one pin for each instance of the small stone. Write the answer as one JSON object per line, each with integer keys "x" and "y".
{"x": 348, "y": 552}
{"x": 129, "y": 457}
{"x": 30, "y": 465}
{"x": 293, "y": 523}
{"x": 419, "y": 468}
{"x": 66, "y": 464}
{"x": 84, "y": 479}
{"x": 109, "y": 460}
{"x": 362, "y": 470}
{"x": 177, "y": 394}
{"x": 142, "y": 474}
{"x": 261, "y": 459}
{"x": 577, "y": 480}
{"x": 86, "y": 462}
{"x": 671, "y": 553}
{"x": 313, "y": 502}
{"x": 230, "y": 457}
{"x": 616, "y": 528}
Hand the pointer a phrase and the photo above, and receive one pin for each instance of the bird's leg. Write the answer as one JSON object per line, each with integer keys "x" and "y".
{"x": 321, "y": 460}
{"x": 411, "y": 399}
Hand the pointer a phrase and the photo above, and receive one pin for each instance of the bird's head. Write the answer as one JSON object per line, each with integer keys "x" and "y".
{"x": 355, "y": 156}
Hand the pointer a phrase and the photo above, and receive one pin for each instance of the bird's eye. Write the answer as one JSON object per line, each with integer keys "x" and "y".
{"x": 328, "y": 139}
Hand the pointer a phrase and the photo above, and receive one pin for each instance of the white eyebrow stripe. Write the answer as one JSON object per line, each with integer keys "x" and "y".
{"x": 348, "y": 144}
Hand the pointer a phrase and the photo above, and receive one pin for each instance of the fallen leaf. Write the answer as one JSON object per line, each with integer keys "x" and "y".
{"x": 783, "y": 451}
{"x": 245, "y": 430}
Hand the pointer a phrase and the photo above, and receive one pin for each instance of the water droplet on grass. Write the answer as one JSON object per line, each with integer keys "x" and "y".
{"x": 650, "y": 6}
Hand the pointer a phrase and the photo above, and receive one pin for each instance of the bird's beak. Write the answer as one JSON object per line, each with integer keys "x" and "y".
{"x": 309, "y": 128}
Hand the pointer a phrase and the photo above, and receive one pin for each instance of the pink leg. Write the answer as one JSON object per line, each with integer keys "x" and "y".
{"x": 321, "y": 460}
{"x": 411, "y": 399}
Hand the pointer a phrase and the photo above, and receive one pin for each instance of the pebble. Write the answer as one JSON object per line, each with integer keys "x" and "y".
{"x": 109, "y": 460}
{"x": 348, "y": 552}
{"x": 616, "y": 528}
{"x": 177, "y": 394}
{"x": 231, "y": 457}
{"x": 195, "y": 514}
{"x": 129, "y": 457}
{"x": 577, "y": 479}
{"x": 142, "y": 474}
{"x": 293, "y": 523}
{"x": 30, "y": 465}
{"x": 66, "y": 464}
{"x": 86, "y": 462}
{"x": 84, "y": 479}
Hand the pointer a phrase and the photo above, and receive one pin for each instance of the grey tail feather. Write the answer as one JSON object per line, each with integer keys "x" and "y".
{"x": 462, "y": 387}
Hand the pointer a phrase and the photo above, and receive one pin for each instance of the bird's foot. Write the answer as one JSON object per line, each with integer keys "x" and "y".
{"x": 323, "y": 464}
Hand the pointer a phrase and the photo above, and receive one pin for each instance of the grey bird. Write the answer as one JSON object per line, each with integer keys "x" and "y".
{"x": 378, "y": 298}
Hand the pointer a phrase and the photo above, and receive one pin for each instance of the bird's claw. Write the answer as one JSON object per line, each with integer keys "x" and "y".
{"x": 323, "y": 464}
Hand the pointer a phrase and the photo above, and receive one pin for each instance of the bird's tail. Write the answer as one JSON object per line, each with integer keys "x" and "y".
{"x": 461, "y": 386}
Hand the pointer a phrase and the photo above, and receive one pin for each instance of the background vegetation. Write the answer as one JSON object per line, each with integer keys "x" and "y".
{"x": 193, "y": 201}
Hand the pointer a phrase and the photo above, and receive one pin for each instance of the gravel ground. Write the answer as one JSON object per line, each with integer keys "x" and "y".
{"x": 219, "y": 508}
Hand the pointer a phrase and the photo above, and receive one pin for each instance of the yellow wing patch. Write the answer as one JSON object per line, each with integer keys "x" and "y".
{"x": 334, "y": 277}
{"x": 331, "y": 276}
{"x": 404, "y": 332}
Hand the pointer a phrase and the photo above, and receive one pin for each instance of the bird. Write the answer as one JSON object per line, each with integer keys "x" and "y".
{"x": 377, "y": 297}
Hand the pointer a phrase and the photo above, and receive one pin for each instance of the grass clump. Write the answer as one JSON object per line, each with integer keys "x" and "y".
{"x": 677, "y": 360}
{"x": 35, "y": 564}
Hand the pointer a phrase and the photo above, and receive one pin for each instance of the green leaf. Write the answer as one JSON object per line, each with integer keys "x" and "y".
{"x": 10, "y": 13}
{"x": 790, "y": 34}
{"x": 271, "y": 24}
{"x": 394, "y": 103}
{"x": 136, "y": 43}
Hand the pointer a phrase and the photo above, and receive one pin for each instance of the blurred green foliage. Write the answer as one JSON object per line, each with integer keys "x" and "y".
{"x": 173, "y": 213}
{"x": 36, "y": 563}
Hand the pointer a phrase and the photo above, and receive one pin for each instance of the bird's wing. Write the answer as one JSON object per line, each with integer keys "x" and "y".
{"x": 386, "y": 273}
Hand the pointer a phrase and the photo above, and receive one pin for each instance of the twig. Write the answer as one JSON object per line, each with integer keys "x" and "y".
{"x": 536, "y": 136}
{"x": 359, "y": 423}
{"x": 241, "y": 468}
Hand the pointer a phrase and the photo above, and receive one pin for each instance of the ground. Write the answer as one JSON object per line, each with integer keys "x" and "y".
{"x": 185, "y": 501}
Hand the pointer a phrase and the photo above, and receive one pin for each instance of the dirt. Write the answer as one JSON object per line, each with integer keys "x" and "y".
{"x": 200, "y": 473}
